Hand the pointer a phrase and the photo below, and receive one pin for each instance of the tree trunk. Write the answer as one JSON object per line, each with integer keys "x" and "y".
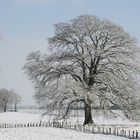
{"x": 5, "y": 108}
{"x": 15, "y": 107}
{"x": 88, "y": 114}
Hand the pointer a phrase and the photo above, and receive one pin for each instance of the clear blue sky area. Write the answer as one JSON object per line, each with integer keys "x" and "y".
{"x": 25, "y": 25}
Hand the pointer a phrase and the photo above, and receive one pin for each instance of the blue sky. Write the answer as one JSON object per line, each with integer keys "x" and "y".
{"x": 25, "y": 24}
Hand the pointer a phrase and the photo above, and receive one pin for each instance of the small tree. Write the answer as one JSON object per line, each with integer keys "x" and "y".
{"x": 91, "y": 61}
{"x": 8, "y": 98}
{"x": 5, "y": 99}
{"x": 16, "y": 99}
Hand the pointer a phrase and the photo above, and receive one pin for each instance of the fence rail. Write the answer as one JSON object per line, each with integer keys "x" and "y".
{"x": 95, "y": 129}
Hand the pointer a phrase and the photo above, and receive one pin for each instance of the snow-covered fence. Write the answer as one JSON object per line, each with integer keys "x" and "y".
{"x": 95, "y": 129}
{"x": 103, "y": 129}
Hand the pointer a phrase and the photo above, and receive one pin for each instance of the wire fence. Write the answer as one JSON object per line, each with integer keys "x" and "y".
{"x": 95, "y": 129}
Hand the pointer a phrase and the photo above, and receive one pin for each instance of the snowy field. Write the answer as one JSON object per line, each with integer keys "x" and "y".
{"x": 53, "y": 133}
{"x": 78, "y": 117}
{"x": 50, "y": 134}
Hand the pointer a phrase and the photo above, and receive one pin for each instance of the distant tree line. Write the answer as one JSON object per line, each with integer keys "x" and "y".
{"x": 8, "y": 99}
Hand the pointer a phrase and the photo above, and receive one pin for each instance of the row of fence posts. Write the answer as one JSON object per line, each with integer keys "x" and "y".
{"x": 96, "y": 129}
{"x": 102, "y": 130}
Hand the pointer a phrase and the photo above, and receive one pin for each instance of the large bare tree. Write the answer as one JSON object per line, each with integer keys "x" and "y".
{"x": 91, "y": 61}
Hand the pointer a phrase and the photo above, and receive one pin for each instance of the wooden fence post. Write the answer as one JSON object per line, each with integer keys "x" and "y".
{"x": 98, "y": 129}
{"x": 114, "y": 131}
{"x": 36, "y": 124}
{"x": 45, "y": 124}
{"x": 122, "y": 132}
{"x": 62, "y": 125}
{"x": 117, "y": 132}
{"x": 125, "y": 133}
{"x": 80, "y": 127}
{"x": 74, "y": 126}
{"x": 70, "y": 125}
{"x": 129, "y": 135}
{"x": 106, "y": 131}
{"x": 49, "y": 123}
{"x": 66, "y": 124}
{"x": 133, "y": 134}
{"x": 103, "y": 130}
{"x": 88, "y": 129}
{"x": 84, "y": 128}
{"x": 109, "y": 130}
{"x": 92, "y": 129}
{"x": 53, "y": 125}
{"x": 137, "y": 134}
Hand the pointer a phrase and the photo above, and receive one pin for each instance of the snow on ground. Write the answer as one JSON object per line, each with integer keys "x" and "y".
{"x": 51, "y": 134}
{"x": 98, "y": 116}
{"x": 21, "y": 118}
{"x": 16, "y": 117}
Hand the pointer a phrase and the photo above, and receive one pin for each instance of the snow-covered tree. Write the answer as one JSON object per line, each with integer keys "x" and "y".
{"x": 16, "y": 99}
{"x": 92, "y": 61}
{"x": 8, "y": 98}
{"x": 5, "y": 99}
